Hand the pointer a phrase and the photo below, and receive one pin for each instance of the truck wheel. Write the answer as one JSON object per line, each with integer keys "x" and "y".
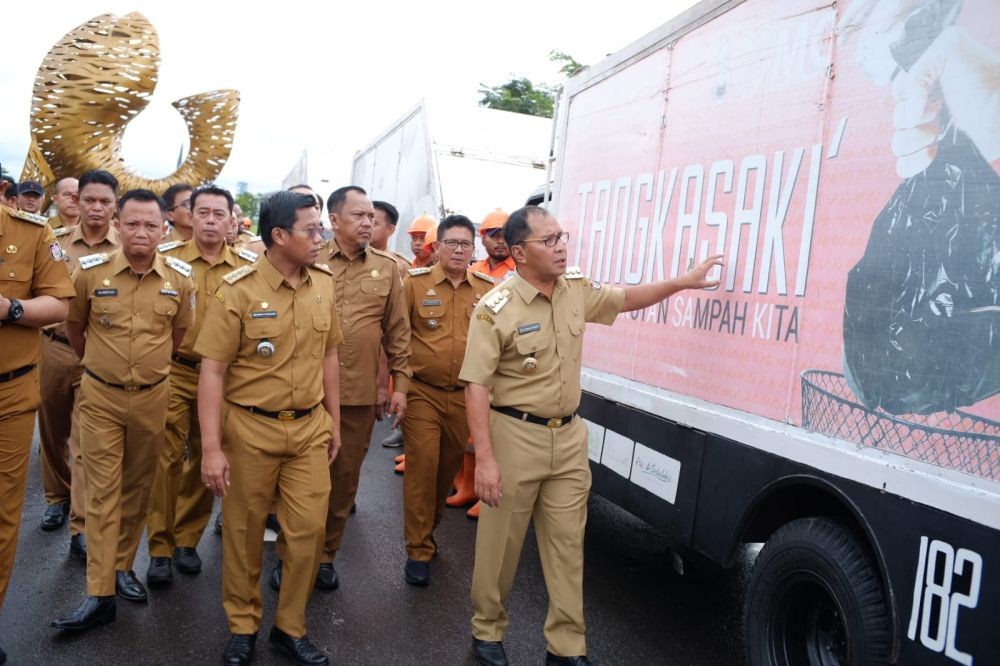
{"x": 815, "y": 598}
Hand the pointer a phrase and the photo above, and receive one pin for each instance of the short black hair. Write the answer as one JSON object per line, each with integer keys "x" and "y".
{"x": 453, "y": 221}
{"x": 173, "y": 191}
{"x": 142, "y": 196}
{"x": 339, "y": 196}
{"x": 98, "y": 177}
{"x": 390, "y": 211}
{"x": 279, "y": 212}
{"x": 516, "y": 228}
{"x": 212, "y": 189}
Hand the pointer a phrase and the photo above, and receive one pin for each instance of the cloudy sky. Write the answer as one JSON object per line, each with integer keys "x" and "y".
{"x": 322, "y": 77}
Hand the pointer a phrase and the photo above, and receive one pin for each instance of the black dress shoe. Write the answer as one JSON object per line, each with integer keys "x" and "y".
{"x": 239, "y": 650}
{"x": 489, "y": 653}
{"x": 187, "y": 560}
{"x": 272, "y": 523}
{"x": 326, "y": 577}
{"x": 91, "y": 613}
{"x": 128, "y": 587}
{"x": 417, "y": 573}
{"x": 3, "y": 656}
{"x": 160, "y": 571}
{"x": 78, "y": 546}
{"x": 556, "y": 660}
{"x": 275, "y": 578}
{"x": 55, "y": 516}
{"x": 299, "y": 649}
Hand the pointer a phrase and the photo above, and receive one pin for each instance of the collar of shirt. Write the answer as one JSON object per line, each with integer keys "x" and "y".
{"x": 527, "y": 291}
{"x": 273, "y": 278}
{"x": 438, "y": 275}
{"x": 335, "y": 249}
{"x": 190, "y": 251}
{"x": 119, "y": 263}
{"x": 111, "y": 236}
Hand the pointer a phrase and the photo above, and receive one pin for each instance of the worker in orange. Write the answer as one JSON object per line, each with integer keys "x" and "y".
{"x": 420, "y": 228}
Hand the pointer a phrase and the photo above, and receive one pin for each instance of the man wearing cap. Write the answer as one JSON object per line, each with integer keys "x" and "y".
{"x": 60, "y": 371}
{"x": 418, "y": 234}
{"x": 178, "y": 198}
{"x": 35, "y": 289}
{"x": 8, "y": 191}
{"x": 67, "y": 201}
{"x": 522, "y": 365}
{"x": 30, "y": 195}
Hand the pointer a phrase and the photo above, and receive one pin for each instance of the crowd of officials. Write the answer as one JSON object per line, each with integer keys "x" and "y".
{"x": 172, "y": 357}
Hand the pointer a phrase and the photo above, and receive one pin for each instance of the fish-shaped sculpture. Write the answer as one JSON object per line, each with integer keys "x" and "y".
{"x": 92, "y": 84}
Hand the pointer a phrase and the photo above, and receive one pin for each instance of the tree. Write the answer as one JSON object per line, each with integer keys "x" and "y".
{"x": 521, "y": 95}
{"x": 249, "y": 203}
{"x": 570, "y": 66}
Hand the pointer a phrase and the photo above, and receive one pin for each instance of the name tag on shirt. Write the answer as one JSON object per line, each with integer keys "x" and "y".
{"x": 169, "y": 292}
{"x": 268, "y": 314}
{"x": 106, "y": 292}
{"x": 528, "y": 328}
{"x": 433, "y": 302}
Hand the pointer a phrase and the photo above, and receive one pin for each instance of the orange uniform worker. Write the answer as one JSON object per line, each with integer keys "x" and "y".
{"x": 130, "y": 313}
{"x": 60, "y": 370}
{"x": 34, "y": 292}
{"x": 180, "y": 506}
{"x": 418, "y": 232}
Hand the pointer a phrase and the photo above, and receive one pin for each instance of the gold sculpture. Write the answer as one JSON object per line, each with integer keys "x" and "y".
{"x": 92, "y": 83}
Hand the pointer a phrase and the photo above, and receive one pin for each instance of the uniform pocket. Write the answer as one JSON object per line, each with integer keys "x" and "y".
{"x": 321, "y": 325}
{"x": 378, "y": 287}
{"x": 263, "y": 340}
{"x": 15, "y": 280}
{"x": 530, "y": 344}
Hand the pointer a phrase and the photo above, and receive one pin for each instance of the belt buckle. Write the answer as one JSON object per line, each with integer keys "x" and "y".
{"x": 131, "y": 388}
{"x": 555, "y": 422}
{"x": 286, "y": 415}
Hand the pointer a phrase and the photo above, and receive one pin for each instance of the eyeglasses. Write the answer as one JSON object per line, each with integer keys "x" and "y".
{"x": 453, "y": 244}
{"x": 314, "y": 232}
{"x": 183, "y": 204}
{"x": 549, "y": 241}
{"x": 493, "y": 233}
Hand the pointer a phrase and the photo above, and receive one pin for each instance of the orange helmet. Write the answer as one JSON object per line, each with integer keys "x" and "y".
{"x": 430, "y": 238}
{"x": 423, "y": 224}
{"x": 494, "y": 220}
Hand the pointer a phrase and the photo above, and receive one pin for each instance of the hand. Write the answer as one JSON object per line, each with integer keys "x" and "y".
{"x": 333, "y": 448}
{"x": 215, "y": 472}
{"x": 397, "y": 406}
{"x": 382, "y": 403}
{"x": 697, "y": 277}
{"x": 488, "y": 484}
{"x": 4, "y": 308}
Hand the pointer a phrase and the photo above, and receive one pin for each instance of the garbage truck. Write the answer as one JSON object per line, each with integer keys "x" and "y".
{"x": 837, "y": 397}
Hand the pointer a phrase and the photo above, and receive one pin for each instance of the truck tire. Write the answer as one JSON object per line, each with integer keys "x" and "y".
{"x": 815, "y": 598}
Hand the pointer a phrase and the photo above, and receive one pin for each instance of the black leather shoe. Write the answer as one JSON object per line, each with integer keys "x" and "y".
{"x": 78, "y": 546}
{"x": 299, "y": 649}
{"x": 160, "y": 571}
{"x": 92, "y": 612}
{"x": 489, "y": 653}
{"x": 3, "y": 656}
{"x": 128, "y": 587}
{"x": 556, "y": 660}
{"x": 417, "y": 573}
{"x": 326, "y": 577}
{"x": 187, "y": 560}
{"x": 272, "y": 523}
{"x": 275, "y": 578}
{"x": 55, "y": 516}
{"x": 239, "y": 649}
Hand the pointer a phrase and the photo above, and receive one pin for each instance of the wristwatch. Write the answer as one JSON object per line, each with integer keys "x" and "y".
{"x": 16, "y": 310}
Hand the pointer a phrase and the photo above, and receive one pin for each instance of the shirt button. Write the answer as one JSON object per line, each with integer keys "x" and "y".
{"x": 295, "y": 355}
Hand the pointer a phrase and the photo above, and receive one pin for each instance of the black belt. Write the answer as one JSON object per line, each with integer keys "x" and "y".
{"x": 14, "y": 374}
{"x": 194, "y": 365}
{"x": 448, "y": 389}
{"x": 555, "y": 422}
{"x": 283, "y": 415}
{"x": 55, "y": 336}
{"x": 131, "y": 388}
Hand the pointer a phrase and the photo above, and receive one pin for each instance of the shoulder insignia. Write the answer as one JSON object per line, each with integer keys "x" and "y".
{"x": 28, "y": 217}
{"x": 382, "y": 253}
{"x": 253, "y": 239}
{"x": 249, "y": 255}
{"x": 92, "y": 260}
{"x": 419, "y": 271}
{"x": 181, "y": 267}
{"x": 62, "y": 231}
{"x": 573, "y": 273}
{"x": 483, "y": 276}
{"x": 323, "y": 268}
{"x": 169, "y": 245}
{"x": 239, "y": 274}
{"x": 497, "y": 300}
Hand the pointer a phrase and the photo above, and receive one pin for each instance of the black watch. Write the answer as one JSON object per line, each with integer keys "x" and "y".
{"x": 16, "y": 310}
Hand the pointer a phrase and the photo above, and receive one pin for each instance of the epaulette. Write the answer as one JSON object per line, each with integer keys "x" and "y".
{"x": 483, "y": 276}
{"x": 419, "y": 271}
{"x": 28, "y": 217}
{"x": 382, "y": 253}
{"x": 249, "y": 255}
{"x": 239, "y": 274}
{"x": 62, "y": 231}
{"x": 573, "y": 273}
{"x": 92, "y": 260}
{"x": 169, "y": 245}
{"x": 323, "y": 268}
{"x": 253, "y": 239}
{"x": 497, "y": 300}
{"x": 181, "y": 267}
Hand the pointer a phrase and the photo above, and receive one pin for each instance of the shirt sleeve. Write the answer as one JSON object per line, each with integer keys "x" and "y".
{"x": 482, "y": 352}
{"x": 336, "y": 335}
{"x": 219, "y": 338}
{"x": 396, "y": 337}
{"x": 602, "y": 304}
{"x": 50, "y": 276}
{"x": 79, "y": 307}
{"x": 186, "y": 311}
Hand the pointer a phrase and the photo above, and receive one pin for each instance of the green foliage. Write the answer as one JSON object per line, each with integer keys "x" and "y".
{"x": 250, "y": 203}
{"x": 570, "y": 66}
{"x": 521, "y": 95}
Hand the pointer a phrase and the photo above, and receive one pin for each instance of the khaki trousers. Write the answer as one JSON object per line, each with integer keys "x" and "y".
{"x": 18, "y": 403}
{"x": 435, "y": 432}
{"x": 546, "y": 478}
{"x": 121, "y": 434}
{"x": 61, "y": 461}
{"x": 267, "y": 456}
{"x": 180, "y": 505}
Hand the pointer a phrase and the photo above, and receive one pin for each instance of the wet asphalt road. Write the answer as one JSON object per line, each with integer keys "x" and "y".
{"x": 638, "y": 610}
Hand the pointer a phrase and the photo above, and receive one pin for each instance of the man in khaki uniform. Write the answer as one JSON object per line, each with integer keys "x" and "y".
{"x": 271, "y": 349}
{"x": 67, "y": 202}
{"x": 372, "y": 312}
{"x": 439, "y": 301}
{"x": 178, "y": 198}
{"x": 130, "y": 313}
{"x": 383, "y": 227}
{"x": 525, "y": 345}
{"x": 60, "y": 371}
{"x": 34, "y": 291}
{"x": 179, "y": 504}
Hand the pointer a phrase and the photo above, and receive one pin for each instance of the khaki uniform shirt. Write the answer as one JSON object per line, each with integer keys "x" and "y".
{"x": 172, "y": 235}
{"x": 57, "y": 222}
{"x": 74, "y": 246}
{"x": 502, "y": 271}
{"x": 514, "y": 323}
{"x": 402, "y": 262}
{"x": 255, "y": 305}
{"x": 30, "y": 265}
{"x": 439, "y": 322}
{"x": 372, "y": 312}
{"x": 207, "y": 279}
{"x": 130, "y": 319}
{"x": 245, "y": 239}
